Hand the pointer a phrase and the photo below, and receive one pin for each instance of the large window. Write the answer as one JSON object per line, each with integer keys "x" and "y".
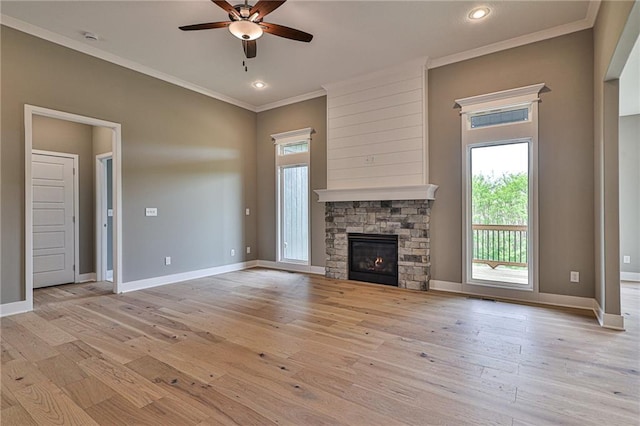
{"x": 499, "y": 141}
{"x": 292, "y": 168}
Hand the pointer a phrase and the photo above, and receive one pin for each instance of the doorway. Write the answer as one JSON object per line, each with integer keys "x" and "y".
{"x": 114, "y": 130}
{"x": 629, "y": 184}
{"x": 499, "y": 204}
{"x": 104, "y": 217}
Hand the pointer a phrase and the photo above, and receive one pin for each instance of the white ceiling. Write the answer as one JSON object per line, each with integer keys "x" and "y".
{"x": 351, "y": 38}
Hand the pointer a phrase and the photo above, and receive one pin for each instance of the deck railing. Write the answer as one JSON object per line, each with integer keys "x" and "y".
{"x": 496, "y": 245}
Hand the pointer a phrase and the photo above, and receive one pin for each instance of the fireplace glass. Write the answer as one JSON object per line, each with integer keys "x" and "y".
{"x": 373, "y": 258}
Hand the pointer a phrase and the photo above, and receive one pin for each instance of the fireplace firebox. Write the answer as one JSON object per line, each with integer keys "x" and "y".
{"x": 373, "y": 258}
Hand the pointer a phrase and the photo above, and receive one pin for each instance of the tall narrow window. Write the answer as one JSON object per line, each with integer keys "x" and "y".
{"x": 292, "y": 164}
{"x": 499, "y": 140}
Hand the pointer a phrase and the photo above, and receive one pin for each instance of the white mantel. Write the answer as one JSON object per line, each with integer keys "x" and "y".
{"x": 412, "y": 192}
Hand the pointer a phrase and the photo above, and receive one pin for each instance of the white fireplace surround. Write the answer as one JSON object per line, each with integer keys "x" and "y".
{"x": 411, "y": 192}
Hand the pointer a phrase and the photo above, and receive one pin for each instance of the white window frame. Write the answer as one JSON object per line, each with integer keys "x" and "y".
{"x": 287, "y": 160}
{"x": 500, "y": 134}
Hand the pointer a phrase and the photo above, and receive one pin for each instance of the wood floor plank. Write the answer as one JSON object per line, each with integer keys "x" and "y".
{"x": 16, "y": 415}
{"x": 119, "y": 411}
{"x": 25, "y": 342}
{"x": 199, "y": 395}
{"x": 260, "y": 347}
{"x": 89, "y": 391}
{"x": 61, "y": 370}
{"x": 44, "y": 329}
{"x": 19, "y": 374}
{"x": 48, "y": 405}
{"x": 125, "y": 382}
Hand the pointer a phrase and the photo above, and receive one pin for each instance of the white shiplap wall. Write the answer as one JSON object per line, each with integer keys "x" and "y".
{"x": 376, "y": 129}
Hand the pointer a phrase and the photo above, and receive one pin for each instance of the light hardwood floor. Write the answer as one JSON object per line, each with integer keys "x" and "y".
{"x": 270, "y": 347}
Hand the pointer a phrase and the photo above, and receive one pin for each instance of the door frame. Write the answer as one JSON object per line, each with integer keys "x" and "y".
{"x": 76, "y": 207}
{"x": 116, "y": 148}
{"x": 101, "y": 205}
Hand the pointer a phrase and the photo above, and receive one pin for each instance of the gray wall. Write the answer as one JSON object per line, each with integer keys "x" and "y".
{"x": 629, "y": 148}
{"x": 50, "y": 134}
{"x": 565, "y": 65}
{"x": 102, "y": 139}
{"x": 311, "y": 113}
{"x": 191, "y": 156}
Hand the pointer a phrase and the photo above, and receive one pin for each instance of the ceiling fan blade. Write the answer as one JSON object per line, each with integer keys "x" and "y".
{"x": 227, "y": 7}
{"x": 286, "y": 32}
{"x": 206, "y": 26}
{"x": 265, "y": 7}
{"x": 250, "y": 48}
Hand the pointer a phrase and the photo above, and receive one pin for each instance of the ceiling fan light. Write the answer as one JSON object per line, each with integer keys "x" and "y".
{"x": 245, "y": 30}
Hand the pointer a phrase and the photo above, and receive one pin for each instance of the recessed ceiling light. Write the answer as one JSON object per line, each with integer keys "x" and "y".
{"x": 259, "y": 84}
{"x": 479, "y": 13}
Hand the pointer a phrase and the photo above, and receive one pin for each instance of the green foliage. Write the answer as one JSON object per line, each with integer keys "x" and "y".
{"x": 500, "y": 200}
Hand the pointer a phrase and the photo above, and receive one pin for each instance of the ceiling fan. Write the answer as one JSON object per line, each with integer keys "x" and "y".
{"x": 247, "y": 25}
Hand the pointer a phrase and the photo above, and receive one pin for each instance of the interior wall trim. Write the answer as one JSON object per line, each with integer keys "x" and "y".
{"x": 539, "y": 298}
{"x": 184, "y": 276}
{"x": 612, "y": 321}
{"x": 292, "y": 267}
{"x": 14, "y": 308}
{"x": 557, "y": 31}
{"x": 630, "y": 276}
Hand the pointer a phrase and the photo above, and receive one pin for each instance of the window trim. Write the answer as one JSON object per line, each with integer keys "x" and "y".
{"x": 496, "y": 135}
{"x": 288, "y": 160}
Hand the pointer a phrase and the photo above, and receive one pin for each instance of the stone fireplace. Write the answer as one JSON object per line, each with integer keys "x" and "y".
{"x": 407, "y": 219}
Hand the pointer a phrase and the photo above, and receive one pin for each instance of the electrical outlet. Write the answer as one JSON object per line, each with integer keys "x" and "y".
{"x": 248, "y": 250}
{"x": 233, "y": 252}
{"x": 167, "y": 260}
{"x": 575, "y": 277}
{"x": 247, "y": 211}
{"x": 151, "y": 211}
{"x": 626, "y": 259}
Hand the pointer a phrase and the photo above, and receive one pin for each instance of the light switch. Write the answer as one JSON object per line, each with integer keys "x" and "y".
{"x": 151, "y": 211}
{"x": 626, "y": 259}
{"x": 247, "y": 212}
{"x": 110, "y": 212}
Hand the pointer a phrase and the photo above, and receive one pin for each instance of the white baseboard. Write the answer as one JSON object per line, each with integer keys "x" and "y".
{"x": 448, "y": 286}
{"x": 293, "y": 267}
{"x": 84, "y": 278}
{"x": 541, "y": 298}
{"x": 184, "y": 276}
{"x": 612, "y": 321}
{"x": 630, "y": 276}
{"x": 13, "y": 308}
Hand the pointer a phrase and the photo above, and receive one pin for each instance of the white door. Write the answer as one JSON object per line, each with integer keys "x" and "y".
{"x": 53, "y": 239}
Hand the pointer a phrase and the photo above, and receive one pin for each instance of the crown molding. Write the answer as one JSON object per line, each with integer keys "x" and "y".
{"x": 560, "y": 30}
{"x": 292, "y": 100}
{"x": 70, "y": 43}
{"x": 109, "y": 57}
